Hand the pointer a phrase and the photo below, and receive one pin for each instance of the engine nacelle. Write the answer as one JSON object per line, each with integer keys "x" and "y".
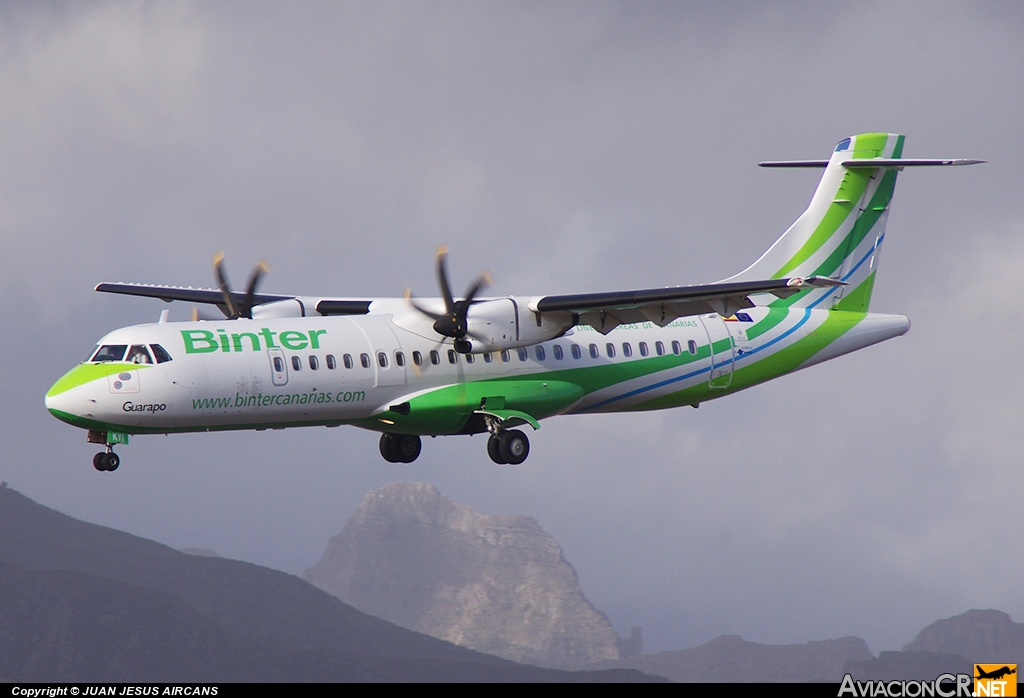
{"x": 505, "y": 323}
{"x": 292, "y": 307}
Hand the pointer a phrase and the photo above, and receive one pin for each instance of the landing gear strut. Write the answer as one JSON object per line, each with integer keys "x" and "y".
{"x": 400, "y": 448}
{"x": 508, "y": 447}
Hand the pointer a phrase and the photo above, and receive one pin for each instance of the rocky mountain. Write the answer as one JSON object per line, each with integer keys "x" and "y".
{"x": 946, "y": 646}
{"x": 731, "y": 659}
{"x": 951, "y": 645}
{"x": 908, "y": 665}
{"x": 982, "y": 636}
{"x": 80, "y": 602}
{"x": 497, "y": 584}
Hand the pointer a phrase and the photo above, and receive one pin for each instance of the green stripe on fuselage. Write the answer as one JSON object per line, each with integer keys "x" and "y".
{"x": 777, "y": 364}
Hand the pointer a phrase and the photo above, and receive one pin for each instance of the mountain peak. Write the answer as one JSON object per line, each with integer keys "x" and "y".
{"x": 494, "y": 583}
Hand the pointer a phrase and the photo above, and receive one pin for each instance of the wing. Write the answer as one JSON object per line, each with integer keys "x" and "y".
{"x": 606, "y": 311}
{"x": 324, "y": 306}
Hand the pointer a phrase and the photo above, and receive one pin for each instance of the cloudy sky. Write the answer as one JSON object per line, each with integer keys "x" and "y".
{"x": 566, "y": 147}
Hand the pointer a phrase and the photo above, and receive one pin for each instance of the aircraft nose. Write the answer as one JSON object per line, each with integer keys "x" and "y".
{"x": 57, "y": 403}
{"x": 63, "y": 400}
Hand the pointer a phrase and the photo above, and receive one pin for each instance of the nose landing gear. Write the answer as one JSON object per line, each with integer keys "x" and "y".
{"x": 106, "y": 460}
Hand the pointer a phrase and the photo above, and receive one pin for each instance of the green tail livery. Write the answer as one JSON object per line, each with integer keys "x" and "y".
{"x": 410, "y": 367}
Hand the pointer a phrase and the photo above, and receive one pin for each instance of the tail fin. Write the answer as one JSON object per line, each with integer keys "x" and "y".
{"x": 841, "y": 232}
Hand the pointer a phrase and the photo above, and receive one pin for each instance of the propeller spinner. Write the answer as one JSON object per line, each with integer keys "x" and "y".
{"x": 453, "y": 322}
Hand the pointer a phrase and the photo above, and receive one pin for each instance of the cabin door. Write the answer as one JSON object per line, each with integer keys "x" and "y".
{"x": 721, "y": 350}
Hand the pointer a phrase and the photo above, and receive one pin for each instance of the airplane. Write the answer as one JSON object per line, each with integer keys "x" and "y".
{"x": 995, "y": 673}
{"x": 409, "y": 367}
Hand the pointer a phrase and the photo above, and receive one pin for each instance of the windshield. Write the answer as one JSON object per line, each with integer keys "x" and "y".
{"x": 139, "y": 355}
{"x": 110, "y": 352}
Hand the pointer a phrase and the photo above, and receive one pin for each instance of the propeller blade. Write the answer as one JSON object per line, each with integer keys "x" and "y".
{"x": 453, "y": 323}
{"x": 225, "y": 289}
{"x": 442, "y": 278}
{"x": 258, "y": 271}
{"x": 429, "y": 313}
{"x": 482, "y": 281}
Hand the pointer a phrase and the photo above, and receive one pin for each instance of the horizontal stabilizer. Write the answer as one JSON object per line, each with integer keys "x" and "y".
{"x": 873, "y": 162}
{"x": 793, "y": 163}
{"x": 900, "y": 162}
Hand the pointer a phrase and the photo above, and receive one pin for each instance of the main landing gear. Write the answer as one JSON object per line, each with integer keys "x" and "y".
{"x": 504, "y": 446}
{"x": 509, "y": 447}
{"x": 400, "y": 448}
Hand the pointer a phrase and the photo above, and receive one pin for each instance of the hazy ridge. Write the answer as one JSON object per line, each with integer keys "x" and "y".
{"x": 85, "y": 602}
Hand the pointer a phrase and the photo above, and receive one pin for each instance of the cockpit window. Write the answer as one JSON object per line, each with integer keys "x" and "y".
{"x": 92, "y": 353}
{"x": 161, "y": 355}
{"x": 138, "y": 354}
{"x": 110, "y": 352}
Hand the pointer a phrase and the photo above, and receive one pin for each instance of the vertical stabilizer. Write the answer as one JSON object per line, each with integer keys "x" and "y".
{"x": 841, "y": 232}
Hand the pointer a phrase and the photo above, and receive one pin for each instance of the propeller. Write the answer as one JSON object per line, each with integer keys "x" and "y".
{"x": 452, "y": 323}
{"x": 232, "y": 309}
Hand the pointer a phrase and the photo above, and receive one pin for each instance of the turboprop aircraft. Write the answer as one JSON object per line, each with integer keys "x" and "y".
{"x": 410, "y": 367}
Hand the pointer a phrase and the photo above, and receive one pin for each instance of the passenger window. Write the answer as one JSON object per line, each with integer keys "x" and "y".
{"x": 279, "y": 364}
{"x": 417, "y": 358}
{"x": 382, "y": 359}
{"x": 659, "y": 347}
{"x": 540, "y": 352}
{"x": 594, "y": 351}
{"x": 692, "y": 346}
{"x": 643, "y": 349}
{"x": 522, "y": 353}
{"x": 452, "y": 356}
{"x": 138, "y": 354}
{"x": 161, "y": 355}
{"x": 576, "y": 352}
{"x": 314, "y": 363}
{"x": 505, "y": 355}
{"x": 469, "y": 358}
{"x": 347, "y": 359}
{"x": 331, "y": 363}
{"x": 435, "y": 358}
{"x": 677, "y": 348}
{"x": 610, "y": 350}
{"x": 626, "y": 349}
{"x": 557, "y": 351}
{"x": 400, "y": 358}
{"x": 364, "y": 359}
{"x": 110, "y": 352}
{"x": 296, "y": 363}
{"x": 488, "y": 357}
